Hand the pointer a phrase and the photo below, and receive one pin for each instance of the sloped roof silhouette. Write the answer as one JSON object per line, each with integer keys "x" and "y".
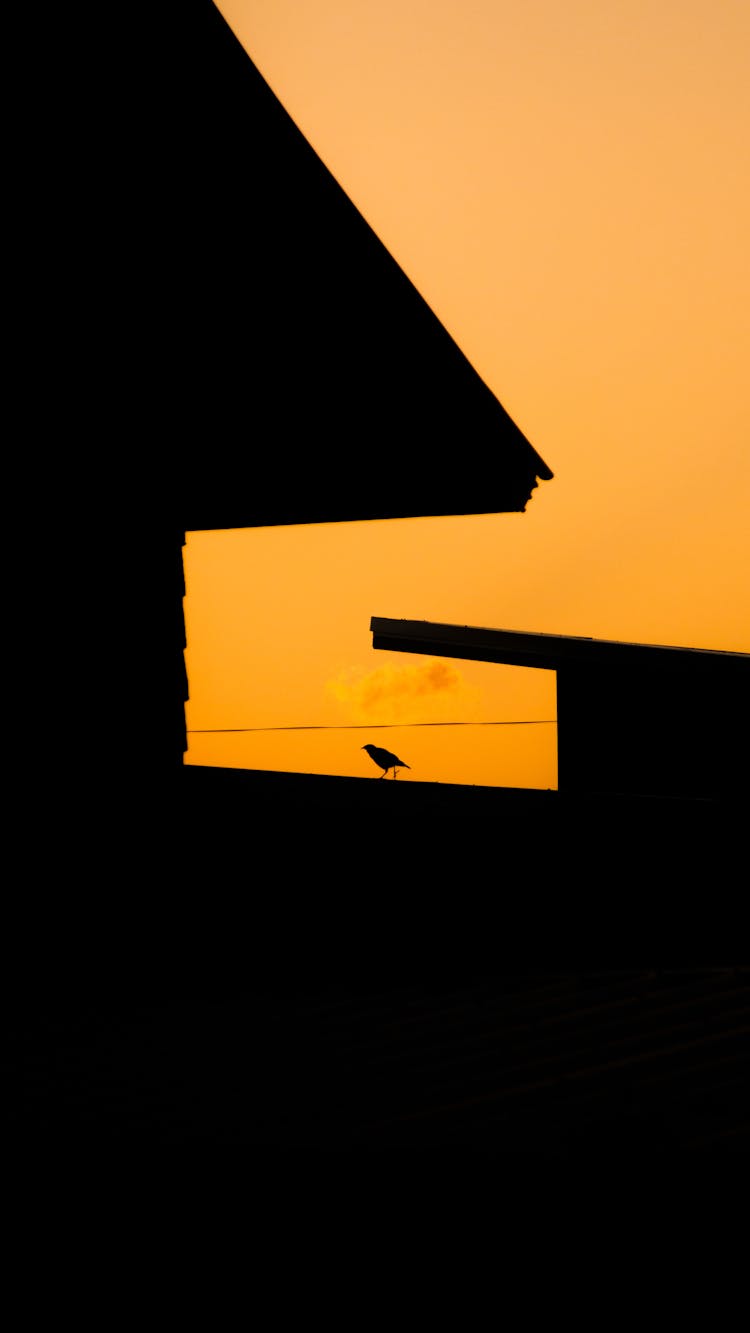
{"x": 294, "y": 352}
{"x": 550, "y": 651}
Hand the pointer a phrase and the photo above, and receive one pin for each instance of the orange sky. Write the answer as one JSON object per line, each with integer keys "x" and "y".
{"x": 567, "y": 186}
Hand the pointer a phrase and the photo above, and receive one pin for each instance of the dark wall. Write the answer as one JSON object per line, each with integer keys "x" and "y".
{"x": 682, "y": 732}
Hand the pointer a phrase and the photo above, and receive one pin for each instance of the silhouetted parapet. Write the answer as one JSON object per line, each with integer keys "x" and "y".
{"x": 298, "y": 374}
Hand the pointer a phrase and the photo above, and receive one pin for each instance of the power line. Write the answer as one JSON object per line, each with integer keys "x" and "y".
{"x": 374, "y": 726}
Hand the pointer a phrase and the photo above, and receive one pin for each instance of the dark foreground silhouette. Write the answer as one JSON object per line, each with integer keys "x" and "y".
{"x": 385, "y": 759}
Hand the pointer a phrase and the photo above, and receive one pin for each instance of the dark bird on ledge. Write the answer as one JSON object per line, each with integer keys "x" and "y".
{"x": 384, "y": 759}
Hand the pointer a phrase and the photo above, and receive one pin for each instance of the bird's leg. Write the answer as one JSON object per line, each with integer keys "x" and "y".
{"x": 383, "y": 774}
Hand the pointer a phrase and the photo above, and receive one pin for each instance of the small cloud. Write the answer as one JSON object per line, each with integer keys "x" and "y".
{"x": 427, "y": 691}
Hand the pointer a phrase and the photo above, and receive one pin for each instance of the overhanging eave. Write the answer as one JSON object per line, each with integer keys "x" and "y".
{"x": 551, "y": 652}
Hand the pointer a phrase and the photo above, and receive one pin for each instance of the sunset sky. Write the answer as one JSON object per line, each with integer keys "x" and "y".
{"x": 567, "y": 185}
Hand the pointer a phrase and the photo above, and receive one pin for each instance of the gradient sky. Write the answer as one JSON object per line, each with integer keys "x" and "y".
{"x": 567, "y": 185}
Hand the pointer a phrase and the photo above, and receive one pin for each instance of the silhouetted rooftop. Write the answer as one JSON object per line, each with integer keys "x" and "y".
{"x": 547, "y": 651}
{"x": 293, "y": 351}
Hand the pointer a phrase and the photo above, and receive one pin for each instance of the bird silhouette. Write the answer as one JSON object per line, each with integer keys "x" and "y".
{"x": 384, "y": 759}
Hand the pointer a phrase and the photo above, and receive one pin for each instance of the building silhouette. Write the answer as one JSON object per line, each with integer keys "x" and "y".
{"x": 246, "y": 338}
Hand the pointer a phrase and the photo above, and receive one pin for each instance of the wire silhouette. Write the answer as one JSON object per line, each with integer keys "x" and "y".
{"x": 375, "y": 726}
